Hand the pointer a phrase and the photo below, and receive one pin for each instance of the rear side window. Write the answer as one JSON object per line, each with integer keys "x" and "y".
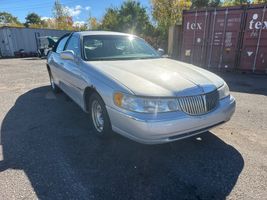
{"x": 61, "y": 44}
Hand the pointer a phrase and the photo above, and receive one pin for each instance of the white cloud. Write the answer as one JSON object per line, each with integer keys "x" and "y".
{"x": 78, "y": 23}
{"x": 74, "y": 11}
{"x": 46, "y": 18}
{"x": 78, "y": 7}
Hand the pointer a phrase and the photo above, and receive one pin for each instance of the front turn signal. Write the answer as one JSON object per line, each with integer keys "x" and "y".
{"x": 117, "y": 98}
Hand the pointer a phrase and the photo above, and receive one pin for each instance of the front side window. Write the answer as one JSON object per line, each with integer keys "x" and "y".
{"x": 116, "y": 47}
{"x": 74, "y": 45}
{"x": 61, "y": 44}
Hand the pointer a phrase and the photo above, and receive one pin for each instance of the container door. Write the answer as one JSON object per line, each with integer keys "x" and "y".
{"x": 8, "y": 47}
{"x": 254, "y": 48}
{"x": 195, "y": 31}
{"x": 226, "y": 29}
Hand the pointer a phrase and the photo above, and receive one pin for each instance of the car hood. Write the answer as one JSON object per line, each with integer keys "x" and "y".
{"x": 159, "y": 77}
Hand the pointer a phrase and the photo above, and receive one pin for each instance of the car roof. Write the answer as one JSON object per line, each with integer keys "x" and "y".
{"x": 84, "y": 33}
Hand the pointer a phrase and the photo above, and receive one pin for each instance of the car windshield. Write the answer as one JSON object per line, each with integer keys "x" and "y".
{"x": 116, "y": 47}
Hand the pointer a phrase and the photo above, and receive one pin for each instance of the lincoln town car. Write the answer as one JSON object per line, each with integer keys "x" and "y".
{"x": 128, "y": 87}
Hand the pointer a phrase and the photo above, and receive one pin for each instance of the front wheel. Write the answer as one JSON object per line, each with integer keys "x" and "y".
{"x": 99, "y": 116}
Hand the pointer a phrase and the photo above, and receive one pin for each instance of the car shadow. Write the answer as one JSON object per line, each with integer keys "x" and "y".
{"x": 49, "y": 138}
{"x": 245, "y": 83}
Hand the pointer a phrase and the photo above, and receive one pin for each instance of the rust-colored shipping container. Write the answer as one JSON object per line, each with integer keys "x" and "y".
{"x": 233, "y": 38}
{"x": 225, "y": 32}
{"x": 254, "y": 46}
{"x": 195, "y": 34}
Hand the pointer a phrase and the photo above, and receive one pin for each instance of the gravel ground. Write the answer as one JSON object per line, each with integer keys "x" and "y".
{"x": 48, "y": 152}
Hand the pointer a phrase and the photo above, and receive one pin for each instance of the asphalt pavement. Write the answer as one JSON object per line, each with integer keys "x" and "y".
{"x": 47, "y": 150}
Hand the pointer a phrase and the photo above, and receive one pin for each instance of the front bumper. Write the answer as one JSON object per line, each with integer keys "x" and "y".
{"x": 166, "y": 127}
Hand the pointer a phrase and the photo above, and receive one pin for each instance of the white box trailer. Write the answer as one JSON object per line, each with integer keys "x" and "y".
{"x": 14, "y": 39}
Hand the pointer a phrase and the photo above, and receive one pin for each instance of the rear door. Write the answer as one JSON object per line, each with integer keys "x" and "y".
{"x": 55, "y": 62}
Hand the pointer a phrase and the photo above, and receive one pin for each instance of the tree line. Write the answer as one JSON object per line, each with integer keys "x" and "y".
{"x": 130, "y": 17}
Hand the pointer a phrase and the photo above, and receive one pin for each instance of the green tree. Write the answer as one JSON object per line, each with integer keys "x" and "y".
{"x": 32, "y": 19}
{"x": 110, "y": 20}
{"x": 8, "y": 19}
{"x": 169, "y": 12}
{"x": 214, "y": 3}
{"x": 235, "y": 2}
{"x": 93, "y": 24}
{"x": 199, "y": 4}
{"x": 259, "y": 1}
{"x": 62, "y": 18}
{"x": 131, "y": 17}
{"x": 59, "y": 10}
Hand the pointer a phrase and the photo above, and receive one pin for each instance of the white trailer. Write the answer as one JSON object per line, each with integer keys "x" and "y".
{"x": 14, "y": 39}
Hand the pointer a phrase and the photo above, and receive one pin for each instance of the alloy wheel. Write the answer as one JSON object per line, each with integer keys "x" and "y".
{"x": 97, "y": 116}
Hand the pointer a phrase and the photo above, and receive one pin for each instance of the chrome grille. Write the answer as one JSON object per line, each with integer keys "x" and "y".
{"x": 199, "y": 104}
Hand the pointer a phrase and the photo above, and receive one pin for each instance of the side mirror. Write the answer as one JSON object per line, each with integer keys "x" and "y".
{"x": 67, "y": 55}
{"x": 161, "y": 52}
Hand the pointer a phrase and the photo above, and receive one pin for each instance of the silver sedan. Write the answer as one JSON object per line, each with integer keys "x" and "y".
{"x": 127, "y": 86}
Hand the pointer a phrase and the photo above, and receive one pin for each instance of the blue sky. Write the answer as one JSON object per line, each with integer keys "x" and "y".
{"x": 79, "y": 9}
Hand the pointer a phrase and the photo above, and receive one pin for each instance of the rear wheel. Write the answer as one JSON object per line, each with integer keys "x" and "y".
{"x": 99, "y": 116}
{"x": 53, "y": 86}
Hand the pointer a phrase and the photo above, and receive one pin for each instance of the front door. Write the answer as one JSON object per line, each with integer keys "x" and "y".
{"x": 71, "y": 72}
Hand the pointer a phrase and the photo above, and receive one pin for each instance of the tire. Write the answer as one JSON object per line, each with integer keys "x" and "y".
{"x": 53, "y": 86}
{"x": 99, "y": 116}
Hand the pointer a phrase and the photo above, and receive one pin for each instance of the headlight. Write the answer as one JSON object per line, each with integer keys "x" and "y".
{"x": 145, "y": 105}
{"x": 223, "y": 91}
